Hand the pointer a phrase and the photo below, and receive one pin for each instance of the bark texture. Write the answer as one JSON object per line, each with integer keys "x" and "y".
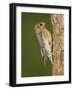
{"x": 58, "y": 43}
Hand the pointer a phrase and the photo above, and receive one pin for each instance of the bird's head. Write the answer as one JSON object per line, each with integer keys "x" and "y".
{"x": 40, "y": 26}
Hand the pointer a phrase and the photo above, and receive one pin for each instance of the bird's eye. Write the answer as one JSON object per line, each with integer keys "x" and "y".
{"x": 40, "y": 24}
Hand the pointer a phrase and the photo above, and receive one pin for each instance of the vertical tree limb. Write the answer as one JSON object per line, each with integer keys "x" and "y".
{"x": 58, "y": 43}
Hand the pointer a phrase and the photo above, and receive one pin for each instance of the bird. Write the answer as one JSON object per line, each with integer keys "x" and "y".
{"x": 45, "y": 41}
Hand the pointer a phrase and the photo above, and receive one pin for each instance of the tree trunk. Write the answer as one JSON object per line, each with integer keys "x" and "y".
{"x": 58, "y": 43}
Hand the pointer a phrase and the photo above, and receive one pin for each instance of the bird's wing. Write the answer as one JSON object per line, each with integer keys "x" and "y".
{"x": 47, "y": 41}
{"x": 40, "y": 39}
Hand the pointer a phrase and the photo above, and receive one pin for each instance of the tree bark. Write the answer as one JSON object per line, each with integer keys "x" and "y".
{"x": 58, "y": 43}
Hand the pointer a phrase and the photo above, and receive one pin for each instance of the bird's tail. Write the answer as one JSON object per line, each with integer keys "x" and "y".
{"x": 50, "y": 57}
{"x": 43, "y": 53}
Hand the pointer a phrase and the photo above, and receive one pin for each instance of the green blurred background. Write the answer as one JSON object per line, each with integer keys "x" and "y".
{"x": 31, "y": 61}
